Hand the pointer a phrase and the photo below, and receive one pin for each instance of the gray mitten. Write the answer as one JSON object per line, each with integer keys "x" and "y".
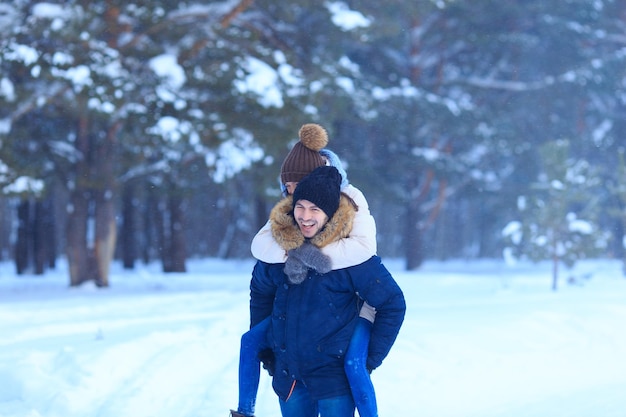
{"x": 294, "y": 268}
{"x": 312, "y": 257}
{"x": 302, "y": 258}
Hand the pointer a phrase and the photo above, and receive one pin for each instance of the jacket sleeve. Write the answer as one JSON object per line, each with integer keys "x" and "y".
{"x": 265, "y": 248}
{"x": 377, "y": 287}
{"x": 361, "y": 244}
{"x": 262, "y": 292}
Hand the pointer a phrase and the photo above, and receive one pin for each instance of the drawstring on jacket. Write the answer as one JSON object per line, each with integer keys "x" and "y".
{"x": 293, "y": 386}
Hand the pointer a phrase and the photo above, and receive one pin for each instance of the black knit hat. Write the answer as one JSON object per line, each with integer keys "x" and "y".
{"x": 305, "y": 156}
{"x": 321, "y": 187}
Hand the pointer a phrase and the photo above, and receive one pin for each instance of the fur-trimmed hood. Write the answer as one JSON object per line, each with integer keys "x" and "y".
{"x": 287, "y": 234}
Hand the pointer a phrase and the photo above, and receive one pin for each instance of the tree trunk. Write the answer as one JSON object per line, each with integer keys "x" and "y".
{"x": 5, "y": 228}
{"x": 161, "y": 222}
{"x": 177, "y": 247}
{"x": 105, "y": 225}
{"x": 22, "y": 244}
{"x": 128, "y": 232}
{"x": 152, "y": 237}
{"x": 105, "y": 236}
{"x": 78, "y": 252}
{"x": 413, "y": 237}
{"x": 50, "y": 227}
{"x": 35, "y": 236}
{"x": 262, "y": 212}
{"x": 41, "y": 221}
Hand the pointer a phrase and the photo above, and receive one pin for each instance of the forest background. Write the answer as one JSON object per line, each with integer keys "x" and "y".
{"x": 142, "y": 130}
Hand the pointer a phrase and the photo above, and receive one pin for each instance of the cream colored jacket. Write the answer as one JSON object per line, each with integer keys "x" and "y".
{"x": 357, "y": 248}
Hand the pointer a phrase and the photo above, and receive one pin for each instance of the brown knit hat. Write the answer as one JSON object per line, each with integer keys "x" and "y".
{"x": 305, "y": 155}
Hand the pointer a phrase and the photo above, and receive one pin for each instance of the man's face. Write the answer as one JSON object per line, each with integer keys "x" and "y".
{"x": 309, "y": 217}
{"x": 290, "y": 186}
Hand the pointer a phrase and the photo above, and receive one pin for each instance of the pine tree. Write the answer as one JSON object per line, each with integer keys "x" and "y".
{"x": 558, "y": 217}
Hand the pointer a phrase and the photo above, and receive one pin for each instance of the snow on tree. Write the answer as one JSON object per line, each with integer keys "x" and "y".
{"x": 618, "y": 189}
{"x": 557, "y": 219}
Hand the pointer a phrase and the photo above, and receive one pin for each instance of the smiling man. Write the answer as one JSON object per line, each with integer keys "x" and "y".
{"x": 310, "y": 218}
{"x": 312, "y": 310}
{"x": 316, "y": 201}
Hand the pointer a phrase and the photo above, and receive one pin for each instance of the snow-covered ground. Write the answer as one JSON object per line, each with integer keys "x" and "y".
{"x": 480, "y": 339}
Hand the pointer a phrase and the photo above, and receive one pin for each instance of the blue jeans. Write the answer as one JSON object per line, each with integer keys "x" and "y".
{"x": 300, "y": 404}
{"x": 255, "y": 340}
{"x": 356, "y": 371}
{"x": 252, "y": 342}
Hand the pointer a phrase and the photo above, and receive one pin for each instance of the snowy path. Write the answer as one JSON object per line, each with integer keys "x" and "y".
{"x": 478, "y": 340}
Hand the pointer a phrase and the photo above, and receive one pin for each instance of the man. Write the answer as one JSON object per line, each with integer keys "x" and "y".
{"x": 352, "y": 244}
{"x": 313, "y": 310}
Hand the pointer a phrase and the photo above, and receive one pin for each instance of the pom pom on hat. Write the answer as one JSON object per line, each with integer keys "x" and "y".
{"x": 305, "y": 155}
{"x": 321, "y": 187}
{"x": 313, "y": 136}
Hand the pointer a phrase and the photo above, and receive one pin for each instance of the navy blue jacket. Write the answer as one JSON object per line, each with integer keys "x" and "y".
{"x": 312, "y": 322}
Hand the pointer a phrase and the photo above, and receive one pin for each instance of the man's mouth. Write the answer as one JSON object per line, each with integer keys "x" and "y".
{"x": 307, "y": 226}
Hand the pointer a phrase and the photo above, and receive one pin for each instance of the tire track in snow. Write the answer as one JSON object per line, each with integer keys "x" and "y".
{"x": 184, "y": 372}
{"x": 170, "y": 354}
{"x": 220, "y": 370}
{"x": 132, "y": 391}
